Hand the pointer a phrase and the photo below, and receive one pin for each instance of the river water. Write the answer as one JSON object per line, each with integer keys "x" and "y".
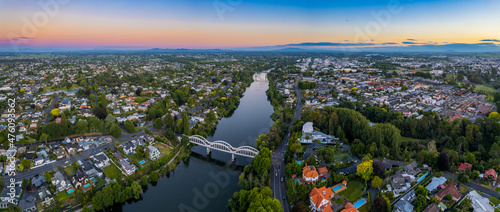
{"x": 206, "y": 183}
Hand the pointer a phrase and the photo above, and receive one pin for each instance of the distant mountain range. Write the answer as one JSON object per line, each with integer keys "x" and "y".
{"x": 406, "y": 47}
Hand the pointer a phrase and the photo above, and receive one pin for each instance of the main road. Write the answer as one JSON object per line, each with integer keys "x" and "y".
{"x": 277, "y": 169}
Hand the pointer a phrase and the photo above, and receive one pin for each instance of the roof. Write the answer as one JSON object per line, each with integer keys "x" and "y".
{"x": 491, "y": 174}
{"x": 451, "y": 188}
{"x": 432, "y": 208}
{"x": 436, "y": 182}
{"x": 308, "y": 127}
{"x": 322, "y": 170}
{"x": 349, "y": 207}
{"x": 317, "y": 195}
{"x": 464, "y": 166}
{"x": 309, "y": 171}
{"x": 479, "y": 203}
{"x": 404, "y": 206}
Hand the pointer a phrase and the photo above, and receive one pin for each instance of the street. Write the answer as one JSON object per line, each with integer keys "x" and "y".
{"x": 278, "y": 164}
{"x": 56, "y": 100}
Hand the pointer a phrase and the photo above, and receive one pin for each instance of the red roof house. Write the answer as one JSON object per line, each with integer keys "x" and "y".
{"x": 491, "y": 174}
{"x": 463, "y": 166}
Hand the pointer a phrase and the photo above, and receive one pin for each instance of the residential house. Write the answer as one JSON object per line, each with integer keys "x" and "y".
{"x": 60, "y": 153}
{"x": 320, "y": 198}
{"x": 60, "y": 182}
{"x": 128, "y": 148}
{"x": 154, "y": 153}
{"x": 88, "y": 168}
{"x": 45, "y": 196}
{"x": 28, "y": 204}
{"x": 309, "y": 174}
{"x": 435, "y": 183}
{"x": 80, "y": 181}
{"x": 480, "y": 203}
{"x": 432, "y": 208}
{"x": 127, "y": 167}
{"x": 464, "y": 166}
{"x": 31, "y": 149}
{"x": 349, "y": 207}
{"x": 490, "y": 174}
{"x": 100, "y": 160}
{"x": 6, "y": 199}
{"x": 451, "y": 188}
{"x": 38, "y": 181}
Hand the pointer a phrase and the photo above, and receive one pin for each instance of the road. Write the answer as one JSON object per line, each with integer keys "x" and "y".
{"x": 483, "y": 189}
{"x": 53, "y": 166}
{"x": 277, "y": 169}
{"x": 56, "y": 100}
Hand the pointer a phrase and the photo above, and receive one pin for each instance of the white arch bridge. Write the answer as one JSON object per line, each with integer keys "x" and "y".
{"x": 245, "y": 151}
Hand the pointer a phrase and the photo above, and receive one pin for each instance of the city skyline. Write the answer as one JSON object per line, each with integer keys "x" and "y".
{"x": 247, "y": 24}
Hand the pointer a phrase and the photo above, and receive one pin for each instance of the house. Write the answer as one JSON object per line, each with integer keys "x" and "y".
{"x": 6, "y": 199}
{"x": 432, "y": 208}
{"x": 309, "y": 174}
{"x": 349, "y": 207}
{"x": 127, "y": 167}
{"x": 80, "y": 181}
{"x": 60, "y": 182}
{"x": 490, "y": 174}
{"x": 320, "y": 198}
{"x": 45, "y": 196}
{"x": 435, "y": 183}
{"x": 402, "y": 206}
{"x": 38, "y": 181}
{"x": 390, "y": 164}
{"x": 480, "y": 203}
{"x": 464, "y": 166}
{"x": 31, "y": 149}
{"x": 154, "y": 153}
{"x": 59, "y": 152}
{"x": 88, "y": 168}
{"x": 100, "y": 160}
{"x": 28, "y": 204}
{"x": 451, "y": 188}
{"x": 128, "y": 148}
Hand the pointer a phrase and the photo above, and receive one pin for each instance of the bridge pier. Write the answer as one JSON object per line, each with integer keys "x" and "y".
{"x": 233, "y": 158}
{"x": 208, "y": 151}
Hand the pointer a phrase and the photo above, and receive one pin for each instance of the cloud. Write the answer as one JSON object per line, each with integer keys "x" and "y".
{"x": 410, "y": 42}
{"x": 22, "y": 38}
{"x": 491, "y": 40}
{"x": 411, "y": 39}
{"x": 347, "y": 20}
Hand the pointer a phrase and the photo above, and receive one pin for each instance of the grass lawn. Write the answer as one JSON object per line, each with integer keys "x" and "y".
{"x": 354, "y": 190}
{"x": 62, "y": 196}
{"x": 485, "y": 90}
{"x": 340, "y": 157}
{"x": 463, "y": 189}
{"x": 70, "y": 170}
{"x": 50, "y": 88}
{"x": 112, "y": 172}
{"x": 100, "y": 182}
{"x": 163, "y": 149}
{"x": 134, "y": 157}
{"x": 488, "y": 185}
{"x": 363, "y": 208}
{"x": 497, "y": 189}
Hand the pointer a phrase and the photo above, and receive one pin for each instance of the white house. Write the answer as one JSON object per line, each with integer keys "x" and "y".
{"x": 154, "y": 153}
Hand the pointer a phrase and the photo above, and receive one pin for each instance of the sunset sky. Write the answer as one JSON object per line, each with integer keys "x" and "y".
{"x": 78, "y": 24}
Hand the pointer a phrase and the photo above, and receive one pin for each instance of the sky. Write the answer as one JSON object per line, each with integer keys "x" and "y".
{"x": 226, "y": 24}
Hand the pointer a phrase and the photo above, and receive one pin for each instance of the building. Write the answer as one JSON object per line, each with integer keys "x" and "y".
{"x": 432, "y": 208}
{"x": 154, "y": 153}
{"x": 28, "y": 204}
{"x": 128, "y": 148}
{"x": 490, "y": 174}
{"x": 349, "y": 207}
{"x": 45, "y": 196}
{"x": 451, "y": 188}
{"x": 80, "y": 181}
{"x": 60, "y": 182}
{"x": 100, "y": 160}
{"x": 464, "y": 166}
{"x": 309, "y": 174}
{"x": 307, "y": 130}
{"x": 6, "y": 200}
{"x": 435, "y": 183}
{"x": 320, "y": 198}
{"x": 127, "y": 167}
{"x": 479, "y": 203}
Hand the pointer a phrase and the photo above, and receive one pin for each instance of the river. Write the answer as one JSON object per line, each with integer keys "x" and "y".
{"x": 206, "y": 183}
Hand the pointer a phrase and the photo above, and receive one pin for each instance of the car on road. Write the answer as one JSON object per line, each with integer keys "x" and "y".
{"x": 281, "y": 179}
{"x": 279, "y": 167}
{"x": 284, "y": 197}
{"x": 276, "y": 174}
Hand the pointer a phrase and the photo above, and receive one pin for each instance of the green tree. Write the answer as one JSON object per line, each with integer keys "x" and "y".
{"x": 136, "y": 190}
{"x": 157, "y": 123}
{"x": 365, "y": 170}
{"x": 153, "y": 177}
{"x": 115, "y": 130}
{"x": 129, "y": 126}
{"x": 376, "y": 182}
